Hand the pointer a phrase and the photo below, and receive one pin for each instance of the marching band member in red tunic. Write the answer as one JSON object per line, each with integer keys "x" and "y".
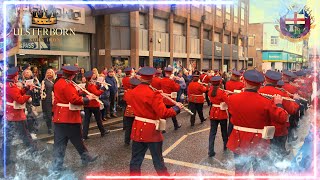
{"x": 218, "y": 115}
{"x": 249, "y": 120}
{"x": 195, "y": 97}
{"x": 128, "y": 113}
{"x": 293, "y": 120}
{"x": 168, "y": 86}
{"x": 234, "y": 84}
{"x": 16, "y": 117}
{"x": 93, "y": 107}
{"x": 205, "y": 78}
{"x": 126, "y": 80}
{"x": 278, "y": 143}
{"x": 216, "y": 72}
{"x": 156, "y": 81}
{"x": 126, "y": 85}
{"x": 67, "y": 120}
{"x": 148, "y": 108}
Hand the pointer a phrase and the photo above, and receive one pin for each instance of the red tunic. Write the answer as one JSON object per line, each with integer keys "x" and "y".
{"x": 205, "y": 78}
{"x": 215, "y": 112}
{"x": 13, "y": 93}
{"x": 156, "y": 83}
{"x": 255, "y": 112}
{"x": 129, "y": 111}
{"x": 126, "y": 83}
{"x": 234, "y": 85}
{"x": 195, "y": 92}
{"x": 65, "y": 93}
{"x": 94, "y": 89}
{"x": 289, "y": 106}
{"x": 168, "y": 86}
{"x": 147, "y": 104}
{"x": 290, "y": 88}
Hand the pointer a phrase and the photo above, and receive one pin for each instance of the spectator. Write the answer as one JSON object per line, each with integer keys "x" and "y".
{"x": 183, "y": 86}
{"x": 46, "y": 97}
{"x": 80, "y": 75}
{"x": 110, "y": 79}
{"x": 30, "y": 106}
{"x": 35, "y": 72}
{"x": 96, "y": 72}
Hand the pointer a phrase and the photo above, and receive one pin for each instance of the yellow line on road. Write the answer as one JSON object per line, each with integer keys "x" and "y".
{"x": 196, "y": 166}
{"x": 174, "y": 145}
{"x": 202, "y": 130}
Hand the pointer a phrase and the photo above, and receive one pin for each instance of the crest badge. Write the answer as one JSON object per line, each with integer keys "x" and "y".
{"x": 296, "y": 24}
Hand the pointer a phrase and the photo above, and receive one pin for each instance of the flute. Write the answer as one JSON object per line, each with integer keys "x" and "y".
{"x": 301, "y": 98}
{"x": 263, "y": 94}
{"x": 173, "y": 101}
{"x": 89, "y": 93}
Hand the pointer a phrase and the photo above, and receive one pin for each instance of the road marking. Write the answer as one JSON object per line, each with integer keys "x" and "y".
{"x": 93, "y": 134}
{"x": 196, "y": 166}
{"x": 202, "y": 130}
{"x": 174, "y": 145}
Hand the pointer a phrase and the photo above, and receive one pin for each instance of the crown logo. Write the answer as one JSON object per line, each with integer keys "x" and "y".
{"x": 44, "y": 17}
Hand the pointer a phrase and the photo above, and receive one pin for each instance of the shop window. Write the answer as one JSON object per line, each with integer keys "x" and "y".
{"x": 226, "y": 39}
{"x": 120, "y": 19}
{"x": 84, "y": 62}
{"x": 120, "y": 63}
{"x": 69, "y": 60}
{"x": 79, "y": 42}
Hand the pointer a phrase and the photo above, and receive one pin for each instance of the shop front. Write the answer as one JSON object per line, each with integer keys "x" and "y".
{"x": 160, "y": 62}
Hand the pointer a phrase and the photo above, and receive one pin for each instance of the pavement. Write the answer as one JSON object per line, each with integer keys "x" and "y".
{"x": 185, "y": 152}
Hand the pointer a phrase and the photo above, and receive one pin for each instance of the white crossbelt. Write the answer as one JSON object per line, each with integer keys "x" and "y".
{"x": 63, "y": 105}
{"x": 9, "y": 104}
{"x": 244, "y": 129}
{"x": 216, "y": 105}
{"x": 155, "y": 122}
{"x": 196, "y": 95}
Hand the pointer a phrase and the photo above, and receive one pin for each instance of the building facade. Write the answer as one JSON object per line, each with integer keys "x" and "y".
{"x": 190, "y": 36}
{"x": 269, "y": 51}
{"x": 52, "y": 45}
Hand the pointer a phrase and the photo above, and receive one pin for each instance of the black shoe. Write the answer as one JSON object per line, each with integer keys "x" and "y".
{"x": 203, "y": 120}
{"x": 88, "y": 159}
{"x": 105, "y": 132}
{"x": 49, "y": 131}
{"x": 225, "y": 148}
{"x": 127, "y": 143}
{"x": 212, "y": 154}
{"x": 176, "y": 128}
{"x": 164, "y": 131}
{"x": 192, "y": 125}
{"x": 85, "y": 138}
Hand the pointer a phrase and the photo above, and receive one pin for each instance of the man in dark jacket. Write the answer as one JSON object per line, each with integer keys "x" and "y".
{"x": 110, "y": 79}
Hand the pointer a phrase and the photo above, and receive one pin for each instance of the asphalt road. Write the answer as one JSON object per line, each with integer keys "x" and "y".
{"x": 185, "y": 152}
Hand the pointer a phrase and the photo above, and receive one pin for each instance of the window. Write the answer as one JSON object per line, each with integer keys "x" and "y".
{"x": 274, "y": 40}
{"x": 235, "y": 12}
{"x": 226, "y": 39}
{"x": 207, "y": 8}
{"x": 251, "y": 40}
{"x": 235, "y": 40}
{"x": 216, "y": 37}
{"x": 242, "y": 12}
{"x": 218, "y": 10}
{"x": 228, "y": 10}
{"x": 196, "y": 5}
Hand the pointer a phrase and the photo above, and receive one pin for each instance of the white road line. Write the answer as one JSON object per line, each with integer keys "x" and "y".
{"x": 196, "y": 166}
{"x": 174, "y": 145}
{"x": 202, "y": 130}
{"x": 93, "y": 134}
